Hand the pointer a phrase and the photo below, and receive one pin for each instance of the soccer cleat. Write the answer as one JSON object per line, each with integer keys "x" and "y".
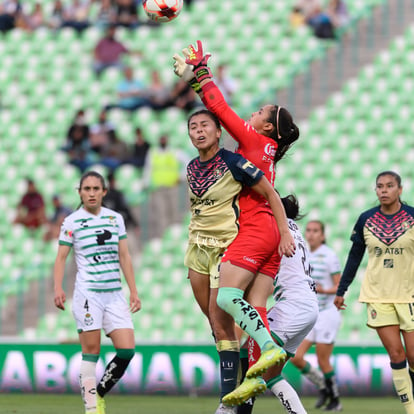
{"x": 225, "y": 409}
{"x": 323, "y": 398}
{"x": 333, "y": 405}
{"x": 100, "y": 405}
{"x": 272, "y": 356}
{"x": 249, "y": 388}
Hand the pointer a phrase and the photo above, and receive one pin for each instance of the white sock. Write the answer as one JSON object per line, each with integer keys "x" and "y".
{"x": 315, "y": 376}
{"x": 87, "y": 382}
{"x": 288, "y": 397}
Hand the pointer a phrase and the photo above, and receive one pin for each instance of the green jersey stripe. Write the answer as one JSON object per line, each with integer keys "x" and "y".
{"x": 96, "y": 245}
{"x": 103, "y": 272}
{"x": 104, "y": 281}
{"x": 63, "y": 243}
{"x": 99, "y": 226}
{"x": 105, "y": 290}
{"x": 101, "y": 253}
{"x": 103, "y": 262}
{"x": 94, "y": 235}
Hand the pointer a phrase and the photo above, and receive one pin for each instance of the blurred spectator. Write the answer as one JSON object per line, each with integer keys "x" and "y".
{"x": 337, "y": 11}
{"x": 10, "y": 13}
{"x": 77, "y": 143}
{"x": 31, "y": 208}
{"x": 139, "y": 150}
{"x": 78, "y": 149}
{"x": 33, "y": 20}
{"x": 82, "y": 130}
{"x": 296, "y": 18}
{"x": 76, "y": 15}
{"x": 163, "y": 172}
{"x": 109, "y": 52}
{"x": 308, "y": 6}
{"x": 126, "y": 13}
{"x": 56, "y": 220}
{"x": 106, "y": 14}
{"x": 183, "y": 96}
{"x": 99, "y": 133}
{"x": 132, "y": 93}
{"x": 114, "y": 153}
{"x": 115, "y": 200}
{"x": 225, "y": 83}
{"x": 57, "y": 16}
{"x": 158, "y": 93}
{"x": 321, "y": 24}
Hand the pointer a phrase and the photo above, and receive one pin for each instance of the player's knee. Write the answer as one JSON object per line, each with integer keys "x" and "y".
{"x": 125, "y": 353}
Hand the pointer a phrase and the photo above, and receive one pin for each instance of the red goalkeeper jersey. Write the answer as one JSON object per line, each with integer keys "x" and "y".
{"x": 255, "y": 147}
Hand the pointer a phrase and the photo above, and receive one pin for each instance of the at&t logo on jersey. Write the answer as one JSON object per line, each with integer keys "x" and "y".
{"x": 388, "y": 250}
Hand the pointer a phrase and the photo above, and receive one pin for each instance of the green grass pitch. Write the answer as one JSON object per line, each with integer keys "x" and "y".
{"x": 126, "y": 404}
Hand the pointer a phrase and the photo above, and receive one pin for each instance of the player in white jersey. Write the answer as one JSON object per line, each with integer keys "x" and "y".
{"x": 99, "y": 240}
{"x": 326, "y": 272}
{"x": 293, "y": 315}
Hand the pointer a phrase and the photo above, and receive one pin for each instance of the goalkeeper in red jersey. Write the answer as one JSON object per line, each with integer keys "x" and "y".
{"x": 252, "y": 259}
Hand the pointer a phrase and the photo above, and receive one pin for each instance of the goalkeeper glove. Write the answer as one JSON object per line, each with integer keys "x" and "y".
{"x": 199, "y": 61}
{"x": 185, "y": 71}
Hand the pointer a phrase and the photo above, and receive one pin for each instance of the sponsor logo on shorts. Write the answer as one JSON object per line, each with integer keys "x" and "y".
{"x": 249, "y": 259}
{"x": 373, "y": 313}
{"x": 404, "y": 398}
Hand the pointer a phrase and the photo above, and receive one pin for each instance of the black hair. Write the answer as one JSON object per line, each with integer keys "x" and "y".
{"x": 393, "y": 174}
{"x": 204, "y": 112}
{"x": 285, "y": 131}
{"x": 291, "y": 205}
{"x": 91, "y": 174}
{"x": 397, "y": 178}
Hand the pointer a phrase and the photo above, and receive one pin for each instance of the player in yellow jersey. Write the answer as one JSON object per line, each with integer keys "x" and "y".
{"x": 387, "y": 232}
{"x": 215, "y": 179}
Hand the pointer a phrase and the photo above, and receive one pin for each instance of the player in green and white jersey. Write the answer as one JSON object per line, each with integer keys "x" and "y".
{"x": 326, "y": 272}
{"x": 99, "y": 240}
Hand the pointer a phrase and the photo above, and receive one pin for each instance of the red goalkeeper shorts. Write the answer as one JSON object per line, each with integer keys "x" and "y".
{"x": 256, "y": 246}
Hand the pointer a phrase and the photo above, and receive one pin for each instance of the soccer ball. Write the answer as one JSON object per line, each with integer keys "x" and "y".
{"x": 162, "y": 11}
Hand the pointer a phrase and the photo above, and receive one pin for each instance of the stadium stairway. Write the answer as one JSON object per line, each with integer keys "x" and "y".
{"x": 372, "y": 32}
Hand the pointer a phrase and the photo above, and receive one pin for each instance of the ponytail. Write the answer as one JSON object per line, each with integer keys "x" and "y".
{"x": 285, "y": 131}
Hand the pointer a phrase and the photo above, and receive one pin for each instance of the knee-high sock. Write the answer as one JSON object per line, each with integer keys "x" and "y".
{"x": 231, "y": 300}
{"x": 286, "y": 395}
{"x": 314, "y": 375}
{"x": 114, "y": 370}
{"x": 247, "y": 406}
{"x": 253, "y": 347}
{"x": 87, "y": 380}
{"x": 411, "y": 372}
{"x": 229, "y": 365}
{"x": 403, "y": 385}
{"x": 331, "y": 385}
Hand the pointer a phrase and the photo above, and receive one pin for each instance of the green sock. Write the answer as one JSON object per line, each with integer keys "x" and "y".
{"x": 246, "y": 316}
